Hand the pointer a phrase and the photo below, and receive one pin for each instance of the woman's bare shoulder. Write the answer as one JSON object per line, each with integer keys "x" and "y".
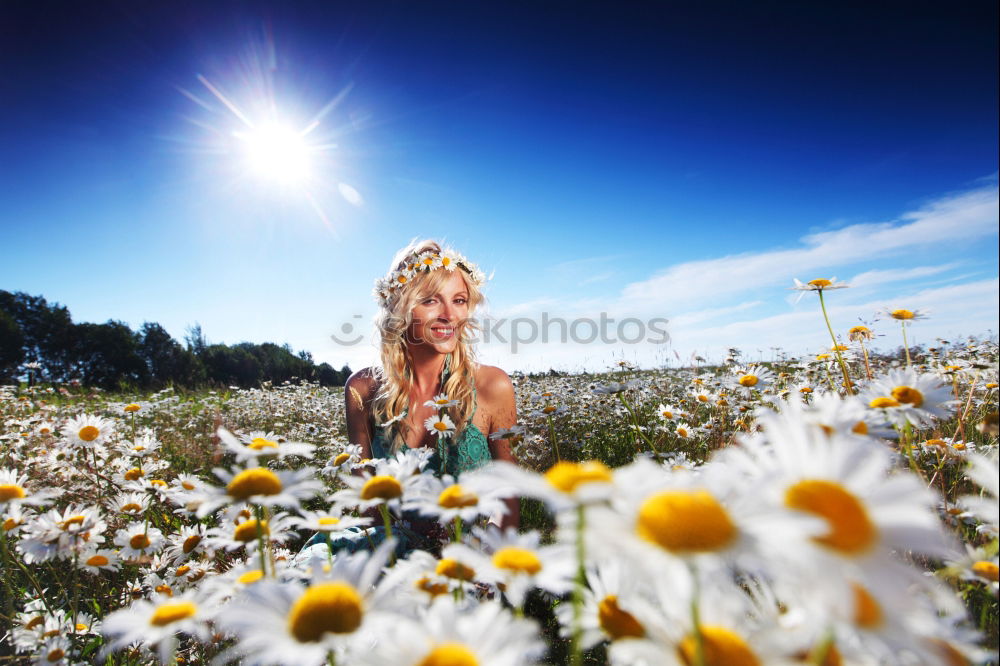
{"x": 491, "y": 381}
{"x": 363, "y": 382}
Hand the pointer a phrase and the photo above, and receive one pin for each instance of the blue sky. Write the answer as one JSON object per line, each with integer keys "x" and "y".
{"x": 641, "y": 159}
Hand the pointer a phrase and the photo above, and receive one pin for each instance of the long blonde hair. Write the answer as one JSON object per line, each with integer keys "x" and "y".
{"x": 395, "y": 376}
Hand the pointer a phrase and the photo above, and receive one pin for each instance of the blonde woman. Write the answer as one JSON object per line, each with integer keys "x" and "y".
{"x": 427, "y": 302}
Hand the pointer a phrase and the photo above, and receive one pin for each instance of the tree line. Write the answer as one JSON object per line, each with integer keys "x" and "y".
{"x": 40, "y": 339}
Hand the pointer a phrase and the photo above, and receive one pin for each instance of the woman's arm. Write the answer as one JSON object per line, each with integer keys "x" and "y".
{"x": 357, "y": 398}
{"x": 497, "y": 391}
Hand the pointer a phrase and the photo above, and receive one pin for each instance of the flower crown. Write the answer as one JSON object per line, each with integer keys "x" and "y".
{"x": 424, "y": 262}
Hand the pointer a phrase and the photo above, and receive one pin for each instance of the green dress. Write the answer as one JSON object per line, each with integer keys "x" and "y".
{"x": 469, "y": 451}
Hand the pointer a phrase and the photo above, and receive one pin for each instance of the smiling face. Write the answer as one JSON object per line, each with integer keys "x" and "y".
{"x": 440, "y": 316}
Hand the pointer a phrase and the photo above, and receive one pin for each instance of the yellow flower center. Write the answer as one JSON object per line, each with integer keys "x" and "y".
{"x": 342, "y": 458}
{"x": 174, "y": 611}
{"x": 449, "y": 654}
{"x": 721, "y": 647}
{"x": 182, "y": 570}
{"x": 10, "y": 524}
{"x": 325, "y": 607}
{"x": 71, "y": 521}
{"x": 683, "y": 432}
{"x": 89, "y": 433}
{"x": 133, "y": 474}
{"x": 250, "y": 577}
{"x": 191, "y": 543}
{"x": 441, "y": 426}
{"x": 454, "y": 569}
{"x": 81, "y": 626}
{"x": 9, "y": 491}
{"x": 328, "y": 520}
{"x": 381, "y": 487}
{"x": 820, "y": 282}
{"x": 254, "y": 481}
{"x": 456, "y": 497}
{"x": 749, "y": 380}
{"x": 247, "y": 531}
{"x": 851, "y": 530}
{"x": 908, "y": 395}
{"x": 860, "y": 428}
{"x": 139, "y": 541}
{"x": 950, "y": 655}
{"x": 517, "y": 559}
{"x": 566, "y": 476}
{"x": 702, "y": 398}
{"x": 987, "y": 570}
{"x": 667, "y": 414}
{"x": 160, "y": 483}
{"x": 616, "y": 622}
{"x": 34, "y": 622}
{"x": 686, "y": 521}
{"x": 132, "y": 408}
{"x": 187, "y": 485}
{"x": 822, "y": 357}
{"x": 901, "y": 314}
{"x": 430, "y": 587}
{"x": 139, "y": 449}
{"x": 883, "y": 403}
{"x": 805, "y": 389}
{"x": 935, "y": 442}
{"x": 259, "y": 443}
{"x": 867, "y": 611}
{"x": 131, "y": 506}
{"x": 55, "y": 655}
{"x": 548, "y": 409}
{"x": 958, "y": 446}
{"x": 165, "y": 590}
{"x": 97, "y": 561}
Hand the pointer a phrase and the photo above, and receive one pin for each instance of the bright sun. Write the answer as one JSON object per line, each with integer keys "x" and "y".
{"x": 276, "y": 153}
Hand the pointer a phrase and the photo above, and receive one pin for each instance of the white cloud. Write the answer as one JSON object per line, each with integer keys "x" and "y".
{"x": 880, "y": 277}
{"x": 960, "y": 217}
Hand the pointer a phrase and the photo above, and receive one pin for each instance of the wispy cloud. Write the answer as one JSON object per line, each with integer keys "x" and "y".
{"x": 880, "y": 277}
{"x": 960, "y": 217}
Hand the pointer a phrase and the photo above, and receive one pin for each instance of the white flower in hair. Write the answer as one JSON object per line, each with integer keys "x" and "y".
{"x": 424, "y": 263}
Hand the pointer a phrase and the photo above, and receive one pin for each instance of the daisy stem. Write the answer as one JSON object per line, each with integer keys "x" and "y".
{"x": 868, "y": 367}
{"x": 8, "y": 595}
{"x": 577, "y": 637}
{"x": 260, "y": 538}
{"x": 699, "y": 639}
{"x": 821, "y": 652}
{"x": 906, "y": 345}
{"x": 331, "y": 660}
{"x": 552, "y": 437}
{"x": 458, "y": 529}
{"x": 384, "y": 510}
{"x": 836, "y": 347}
{"x": 965, "y": 412}
{"x": 635, "y": 421}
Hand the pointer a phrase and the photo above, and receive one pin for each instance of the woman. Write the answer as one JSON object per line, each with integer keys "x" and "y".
{"x": 425, "y": 321}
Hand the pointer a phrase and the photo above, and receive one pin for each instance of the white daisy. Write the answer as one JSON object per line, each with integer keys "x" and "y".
{"x": 137, "y": 540}
{"x": 486, "y": 635}
{"x": 445, "y": 499}
{"x": 87, "y": 431}
{"x": 441, "y": 401}
{"x": 260, "y": 486}
{"x": 301, "y": 625}
{"x": 157, "y": 622}
{"x": 440, "y": 425}
{"x": 258, "y": 445}
{"x": 521, "y": 563}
